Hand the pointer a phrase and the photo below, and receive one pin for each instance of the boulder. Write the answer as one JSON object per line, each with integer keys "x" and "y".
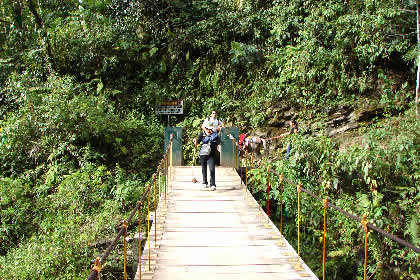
{"x": 343, "y": 128}
{"x": 344, "y": 119}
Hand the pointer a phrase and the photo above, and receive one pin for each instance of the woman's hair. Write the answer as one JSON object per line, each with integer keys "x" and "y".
{"x": 294, "y": 122}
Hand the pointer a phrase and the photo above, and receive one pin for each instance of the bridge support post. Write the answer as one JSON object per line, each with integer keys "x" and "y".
{"x": 176, "y": 155}
{"x": 227, "y": 151}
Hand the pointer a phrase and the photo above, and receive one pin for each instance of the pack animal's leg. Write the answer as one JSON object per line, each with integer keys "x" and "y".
{"x": 265, "y": 146}
{"x": 258, "y": 151}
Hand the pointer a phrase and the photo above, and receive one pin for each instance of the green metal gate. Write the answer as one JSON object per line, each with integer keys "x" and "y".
{"x": 177, "y": 158}
{"x": 228, "y": 149}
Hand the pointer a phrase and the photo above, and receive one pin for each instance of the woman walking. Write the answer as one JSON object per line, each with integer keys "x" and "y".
{"x": 209, "y": 140}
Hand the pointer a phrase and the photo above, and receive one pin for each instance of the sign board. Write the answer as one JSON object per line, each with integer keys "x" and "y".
{"x": 174, "y": 107}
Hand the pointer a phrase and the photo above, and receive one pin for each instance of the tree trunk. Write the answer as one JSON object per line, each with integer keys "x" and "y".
{"x": 18, "y": 20}
{"x": 3, "y": 21}
{"x": 418, "y": 60}
{"x": 17, "y": 13}
{"x": 44, "y": 32}
{"x": 82, "y": 17}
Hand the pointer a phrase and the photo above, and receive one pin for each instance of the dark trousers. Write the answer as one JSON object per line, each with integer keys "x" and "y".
{"x": 289, "y": 148}
{"x": 210, "y": 161}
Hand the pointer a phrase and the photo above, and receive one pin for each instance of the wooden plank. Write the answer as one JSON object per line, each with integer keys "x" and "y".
{"x": 228, "y": 276}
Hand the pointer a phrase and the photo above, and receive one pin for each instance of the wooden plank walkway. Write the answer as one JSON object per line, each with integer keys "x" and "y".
{"x": 222, "y": 234}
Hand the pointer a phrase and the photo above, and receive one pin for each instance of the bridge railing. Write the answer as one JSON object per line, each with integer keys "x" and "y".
{"x": 241, "y": 161}
{"x": 157, "y": 187}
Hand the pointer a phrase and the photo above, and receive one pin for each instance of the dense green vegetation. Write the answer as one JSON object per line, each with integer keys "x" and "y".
{"x": 380, "y": 181}
{"x": 79, "y": 138}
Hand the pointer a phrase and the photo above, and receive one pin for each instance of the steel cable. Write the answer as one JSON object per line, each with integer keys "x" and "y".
{"x": 94, "y": 273}
{"x": 353, "y": 217}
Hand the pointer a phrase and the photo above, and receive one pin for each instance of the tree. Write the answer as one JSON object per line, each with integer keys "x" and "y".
{"x": 39, "y": 22}
{"x": 418, "y": 60}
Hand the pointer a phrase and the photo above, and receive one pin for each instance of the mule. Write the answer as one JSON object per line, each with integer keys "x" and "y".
{"x": 253, "y": 145}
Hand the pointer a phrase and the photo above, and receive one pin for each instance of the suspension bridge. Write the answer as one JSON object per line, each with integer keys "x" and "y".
{"x": 222, "y": 234}
{"x": 195, "y": 233}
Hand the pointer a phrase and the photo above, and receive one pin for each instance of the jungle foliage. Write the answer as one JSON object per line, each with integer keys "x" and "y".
{"x": 378, "y": 178}
{"x": 79, "y": 138}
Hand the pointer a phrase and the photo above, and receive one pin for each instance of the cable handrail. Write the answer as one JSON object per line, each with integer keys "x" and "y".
{"x": 95, "y": 271}
{"x": 363, "y": 221}
{"x": 354, "y": 217}
{"x": 349, "y": 215}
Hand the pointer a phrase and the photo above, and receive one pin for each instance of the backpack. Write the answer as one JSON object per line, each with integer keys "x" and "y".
{"x": 242, "y": 138}
{"x": 216, "y": 123}
{"x": 205, "y": 150}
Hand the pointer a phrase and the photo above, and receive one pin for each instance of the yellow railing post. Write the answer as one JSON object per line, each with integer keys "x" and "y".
{"x": 97, "y": 267}
{"x": 268, "y": 193}
{"x": 162, "y": 183}
{"x": 325, "y": 204}
{"x": 139, "y": 240}
{"x": 165, "y": 161}
{"x": 159, "y": 193}
{"x": 155, "y": 178}
{"x": 148, "y": 223}
{"x": 171, "y": 156}
{"x": 298, "y": 191}
{"x": 281, "y": 242}
{"x": 364, "y": 222}
{"x": 167, "y": 175}
{"x": 268, "y": 225}
{"x": 298, "y": 265}
{"x": 259, "y": 185}
{"x": 281, "y": 203}
{"x": 246, "y": 171}
{"x": 124, "y": 226}
{"x": 240, "y": 166}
